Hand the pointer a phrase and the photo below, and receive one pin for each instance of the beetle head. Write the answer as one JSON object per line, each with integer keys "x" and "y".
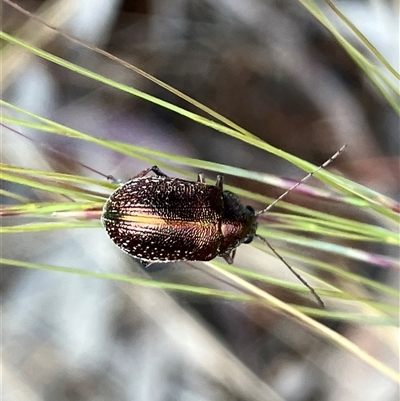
{"x": 239, "y": 223}
{"x": 252, "y": 219}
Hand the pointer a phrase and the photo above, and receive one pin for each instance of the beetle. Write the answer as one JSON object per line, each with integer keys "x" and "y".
{"x": 165, "y": 219}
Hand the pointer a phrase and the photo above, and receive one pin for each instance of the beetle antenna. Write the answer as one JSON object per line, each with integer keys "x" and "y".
{"x": 316, "y": 296}
{"x": 329, "y": 161}
{"x": 54, "y": 151}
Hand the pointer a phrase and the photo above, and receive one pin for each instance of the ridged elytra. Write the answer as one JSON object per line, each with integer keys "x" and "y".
{"x": 164, "y": 219}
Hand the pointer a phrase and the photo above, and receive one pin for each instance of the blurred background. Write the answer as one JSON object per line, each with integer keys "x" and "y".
{"x": 272, "y": 69}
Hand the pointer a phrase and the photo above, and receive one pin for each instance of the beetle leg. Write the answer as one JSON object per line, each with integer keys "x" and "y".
{"x": 229, "y": 257}
{"x": 145, "y": 263}
{"x": 113, "y": 180}
{"x": 158, "y": 172}
{"x": 200, "y": 178}
{"x": 220, "y": 182}
{"x": 154, "y": 169}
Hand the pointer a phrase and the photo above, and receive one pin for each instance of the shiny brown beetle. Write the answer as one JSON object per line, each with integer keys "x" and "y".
{"x": 163, "y": 219}
{"x": 160, "y": 219}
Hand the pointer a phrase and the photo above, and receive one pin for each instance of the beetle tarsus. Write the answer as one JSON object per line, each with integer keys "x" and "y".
{"x": 113, "y": 180}
{"x": 229, "y": 257}
{"x": 200, "y": 178}
{"x": 220, "y": 182}
{"x": 158, "y": 172}
{"x": 154, "y": 169}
